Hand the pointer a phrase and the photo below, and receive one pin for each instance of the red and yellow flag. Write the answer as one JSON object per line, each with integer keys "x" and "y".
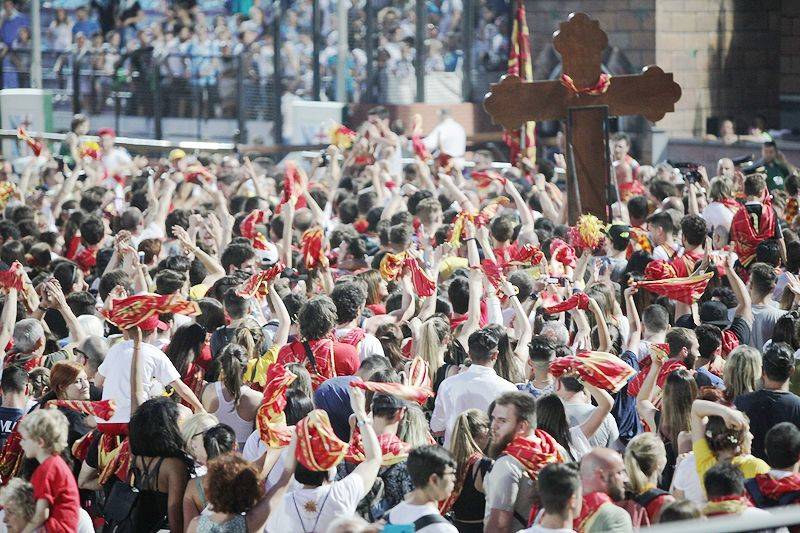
{"x": 520, "y": 63}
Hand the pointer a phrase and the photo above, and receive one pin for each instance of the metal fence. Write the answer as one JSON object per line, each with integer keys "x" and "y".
{"x": 443, "y": 57}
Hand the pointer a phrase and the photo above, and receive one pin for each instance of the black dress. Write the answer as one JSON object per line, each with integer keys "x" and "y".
{"x": 150, "y": 512}
{"x": 469, "y": 508}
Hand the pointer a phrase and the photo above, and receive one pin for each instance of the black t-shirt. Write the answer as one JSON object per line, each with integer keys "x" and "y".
{"x": 765, "y": 408}
{"x": 8, "y": 417}
{"x": 755, "y": 209}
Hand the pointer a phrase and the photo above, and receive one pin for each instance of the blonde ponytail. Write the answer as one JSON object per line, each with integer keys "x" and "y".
{"x": 644, "y": 457}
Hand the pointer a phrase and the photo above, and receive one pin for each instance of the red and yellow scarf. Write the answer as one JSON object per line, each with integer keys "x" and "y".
{"x": 323, "y": 366}
{"x": 318, "y": 447}
{"x": 393, "y": 449}
{"x": 592, "y": 503}
{"x": 534, "y": 453}
{"x": 270, "y": 419}
{"x": 726, "y": 505}
{"x": 601, "y": 369}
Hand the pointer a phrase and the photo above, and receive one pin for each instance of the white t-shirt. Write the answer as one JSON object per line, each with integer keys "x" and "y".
{"x": 157, "y": 372}
{"x": 312, "y": 510}
{"x": 687, "y": 480}
{"x": 369, "y": 345}
{"x": 579, "y": 445}
{"x": 406, "y": 513}
{"x": 716, "y": 214}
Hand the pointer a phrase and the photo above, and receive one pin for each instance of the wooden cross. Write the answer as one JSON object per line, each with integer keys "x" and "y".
{"x": 581, "y": 42}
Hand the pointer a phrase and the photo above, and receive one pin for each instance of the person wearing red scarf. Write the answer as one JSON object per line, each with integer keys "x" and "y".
{"x": 724, "y": 484}
{"x": 755, "y": 223}
{"x": 781, "y": 485}
{"x": 323, "y": 357}
{"x": 350, "y": 298}
{"x": 603, "y": 480}
{"x": 693, "y": 234}
{"x": 523, "y": 451}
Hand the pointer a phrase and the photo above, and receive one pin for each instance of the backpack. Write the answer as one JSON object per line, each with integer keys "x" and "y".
{"x": 763, "y": 502}
{"x": 637, "y": 507}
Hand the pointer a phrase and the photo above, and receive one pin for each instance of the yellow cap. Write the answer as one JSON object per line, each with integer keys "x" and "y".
{"x": 176, "y": 154}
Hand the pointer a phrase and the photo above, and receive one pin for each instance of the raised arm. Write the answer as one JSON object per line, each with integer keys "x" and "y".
{"x": 452, "y": 189}
{"x": 76, "y": 332}
{"x": 138, "y": 394}
{"x": 367, "y": 470}
{"x": 213, "y": 267}
{"x": 745, "y": 307}
{"x": 602, "y": 326}
{"x": 8, "y": 317}
{"x": 525, "y": 215}
{"x": 287, "y": 211}
{"x": 632, "y": 313}
{"x": 284, "y": 321}
{"x": 702, "y": 408}
{"x": 604, "y": 403}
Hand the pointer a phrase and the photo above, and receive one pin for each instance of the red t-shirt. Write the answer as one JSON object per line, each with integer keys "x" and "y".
{"x": 53, "y": 481}
{"x": 345, "y": 356}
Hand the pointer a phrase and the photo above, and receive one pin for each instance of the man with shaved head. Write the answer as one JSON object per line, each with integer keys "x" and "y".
{"x": 603, "y": 478}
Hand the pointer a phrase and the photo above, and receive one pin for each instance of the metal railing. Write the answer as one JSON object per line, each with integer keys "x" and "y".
{"x": 444, "y": 58}
{"x": 776, "y": 518}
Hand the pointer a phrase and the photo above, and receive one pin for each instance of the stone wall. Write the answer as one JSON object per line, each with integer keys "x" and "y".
{"x": 731, "y": 57}
{"x": 724, "y": 54}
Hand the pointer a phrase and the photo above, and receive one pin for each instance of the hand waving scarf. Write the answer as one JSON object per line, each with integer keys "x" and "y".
{"x": 669, "y": 366}
{"x": 313, "y": 250}
{"x": 131, "y": 311}
{"x": 341, "y": 136}
{"x": 318, "y": 447}
{"x": 292, "y": 187}
{"x": 270, "y": 419}
{"x": 600, "y": 369}
{"x": 480, "y": 219}
{"x": 578, "y": 300}
{"x": 35, "y": 146}
{"x": 392, "y": 266}
{"x": 12, "y": 278}
{"x": 247, "y": 228}
{"x": 258, "y": 283}
{"x": 486, "y": 178}
{"x": 563, "y": 253}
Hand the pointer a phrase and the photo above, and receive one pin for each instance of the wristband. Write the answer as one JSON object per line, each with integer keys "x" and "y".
{"x": 362, "y": 423}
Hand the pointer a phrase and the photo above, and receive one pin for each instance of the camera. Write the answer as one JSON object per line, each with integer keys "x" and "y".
{"x": 689, "y": 171}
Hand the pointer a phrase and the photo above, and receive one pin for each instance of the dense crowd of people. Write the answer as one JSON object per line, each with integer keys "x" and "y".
{"x": 200, "y": 343}
{"x": 198, "y": 51}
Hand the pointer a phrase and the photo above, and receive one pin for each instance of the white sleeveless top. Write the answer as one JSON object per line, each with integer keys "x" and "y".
{"x": 226, "y": 414}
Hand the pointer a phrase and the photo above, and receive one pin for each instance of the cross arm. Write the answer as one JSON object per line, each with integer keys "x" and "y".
{"x": 512, "y": 102}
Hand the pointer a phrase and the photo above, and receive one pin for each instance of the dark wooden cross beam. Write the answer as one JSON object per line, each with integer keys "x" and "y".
{"x": 581, "y": 42}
